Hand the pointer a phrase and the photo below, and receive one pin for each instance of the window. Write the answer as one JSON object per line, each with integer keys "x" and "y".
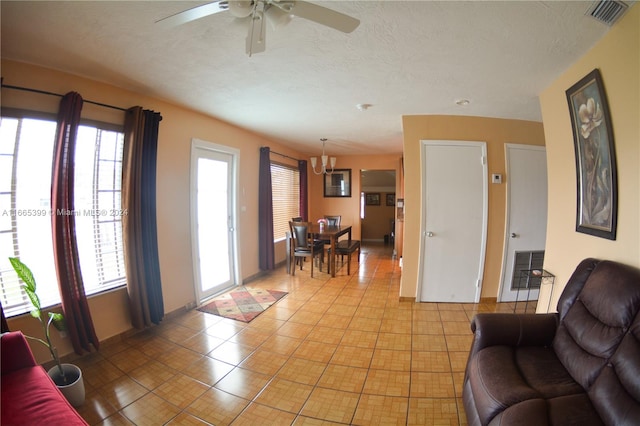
{"x": 285, "y": 187}
{"x": 26, "y": 152}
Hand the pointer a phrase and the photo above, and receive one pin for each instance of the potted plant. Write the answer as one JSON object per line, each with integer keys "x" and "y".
{"x": 67, "y": 377}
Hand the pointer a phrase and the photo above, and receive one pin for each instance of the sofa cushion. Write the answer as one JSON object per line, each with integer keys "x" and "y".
{"x": 591, "y": 329}
{"x": 505, "y": 376}
{"x": 28, "y": 397}
{"x": 565, "y": 410}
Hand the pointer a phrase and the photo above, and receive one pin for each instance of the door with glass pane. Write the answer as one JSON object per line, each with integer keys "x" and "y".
{"x": 213, "y": 176}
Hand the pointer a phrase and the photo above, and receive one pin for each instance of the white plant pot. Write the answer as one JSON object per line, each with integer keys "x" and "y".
{"x": 74, "y": 389}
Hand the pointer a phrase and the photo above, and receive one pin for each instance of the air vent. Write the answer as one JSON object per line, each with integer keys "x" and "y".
{"x": 607, "y": 11}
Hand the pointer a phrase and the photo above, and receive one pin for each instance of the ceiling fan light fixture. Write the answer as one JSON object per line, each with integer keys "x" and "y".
{"x": 277, "y": 17}
{"x": 241, "y": 8}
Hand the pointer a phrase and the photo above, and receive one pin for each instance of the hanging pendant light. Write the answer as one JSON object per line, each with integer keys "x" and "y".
{"x": 325, "y": 160}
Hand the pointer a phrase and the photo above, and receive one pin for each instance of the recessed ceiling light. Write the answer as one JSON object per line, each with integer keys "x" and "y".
{"x": 463, "y": 102}
{"x": 363, "y": 107}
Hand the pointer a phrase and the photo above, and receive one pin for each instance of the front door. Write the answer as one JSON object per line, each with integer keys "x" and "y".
{"x": 454, "y": 225}
{"x": 213, "y": 174}
{"x": 526, "y": 218}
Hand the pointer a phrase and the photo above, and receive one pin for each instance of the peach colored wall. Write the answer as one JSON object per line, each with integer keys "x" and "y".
{"x": 617, "y": 56}
{"x": 348, "y": 207}
{"x": 496, "y": 133}
{"x": 178, "y": 127}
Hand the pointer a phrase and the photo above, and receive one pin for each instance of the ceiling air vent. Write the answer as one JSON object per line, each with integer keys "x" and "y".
{"x": 607, "y": 11}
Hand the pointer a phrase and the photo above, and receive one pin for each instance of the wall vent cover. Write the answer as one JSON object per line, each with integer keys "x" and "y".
{"x": 607, "y": 11}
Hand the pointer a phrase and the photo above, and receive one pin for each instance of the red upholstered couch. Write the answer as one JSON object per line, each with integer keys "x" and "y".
{"x": 28, "y": 395}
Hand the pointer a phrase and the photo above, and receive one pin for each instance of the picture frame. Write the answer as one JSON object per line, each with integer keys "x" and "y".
{"x": 372, "y": 198}
{"x": 596, "y": 172}
{"x": 338, "y": 183}
{"x": 391, "y": 199}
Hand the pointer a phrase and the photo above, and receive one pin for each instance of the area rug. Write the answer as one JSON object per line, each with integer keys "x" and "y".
{"x": 244, "y": 304}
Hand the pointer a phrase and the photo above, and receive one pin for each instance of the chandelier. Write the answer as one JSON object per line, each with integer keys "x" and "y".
{"x": 325, "y": 159}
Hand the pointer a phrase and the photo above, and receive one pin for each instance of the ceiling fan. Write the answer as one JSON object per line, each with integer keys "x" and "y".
{"x": 279, "y": 12}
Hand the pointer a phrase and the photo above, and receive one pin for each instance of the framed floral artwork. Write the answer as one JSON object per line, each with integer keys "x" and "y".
{"x": 597, "y": 200}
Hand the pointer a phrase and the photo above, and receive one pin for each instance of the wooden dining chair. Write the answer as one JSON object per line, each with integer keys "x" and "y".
{"x": 333, "y": 220}
{"x": 347, "y": 248}
{"x": 303, "y": 245}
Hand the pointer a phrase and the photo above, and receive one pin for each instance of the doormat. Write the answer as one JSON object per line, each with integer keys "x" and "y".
{"x": 243, "y": 305}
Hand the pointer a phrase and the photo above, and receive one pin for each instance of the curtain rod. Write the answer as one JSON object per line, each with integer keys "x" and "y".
{"x": 283, "y": 155}
{"x": 44, "y": 92}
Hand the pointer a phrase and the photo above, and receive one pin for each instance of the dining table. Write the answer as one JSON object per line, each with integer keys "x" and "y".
{"x": 331, "y": 233}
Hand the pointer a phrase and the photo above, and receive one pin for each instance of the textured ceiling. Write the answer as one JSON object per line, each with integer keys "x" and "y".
{"x": 406, "y": 57}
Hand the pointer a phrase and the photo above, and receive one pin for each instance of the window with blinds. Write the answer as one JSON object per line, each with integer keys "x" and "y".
{"x": 285, "y": 187}
{"x": 26, "y": 153}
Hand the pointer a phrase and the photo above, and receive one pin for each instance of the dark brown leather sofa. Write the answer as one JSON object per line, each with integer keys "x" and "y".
{"x": 580, "y": 366}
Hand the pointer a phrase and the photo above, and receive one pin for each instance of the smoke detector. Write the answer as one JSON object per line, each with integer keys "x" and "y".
{"x": 607, "y": 11}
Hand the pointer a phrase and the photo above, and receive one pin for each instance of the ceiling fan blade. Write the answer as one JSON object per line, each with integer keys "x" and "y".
{"x": 257, "y": 36}
{"x": 324, "y": 16}
{"x": 194, "y": 13}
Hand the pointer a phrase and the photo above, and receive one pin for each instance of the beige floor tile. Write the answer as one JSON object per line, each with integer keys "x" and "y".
{"x": 122, "y": 391}
{"x": 302, "y": 371}
{"x": 394, "y": 341}
{"x": 257, "y": 414}
{"x": 100, "y": 373}
{"x": 381, "y": 410}
{"x": 282, "y": 345}
{"x": 186, "y": 419}
{"x": 326, "y": 334}
{"x": 361, "y": 339}
{"x": 386, "y": 359}
{"x": 208, "y": 370}
{"x": 202, "y": 343}
{"x": 315, "y": 351}
{"x": 152, "y": 374}
{"x": 116, "y": 419}
{"x": 344, "y": 378}
{"x": 264, "y": 361}
{"x": 331, "y": 405}
{"x": 181, "y": 390}
{"x": 352, "y": 356}
{"x": 431, "y": 385}
{"x": 243, "y": 383}
{"x": 284, "y": 395}
{"x": 150, "y": 410}
{"x": 295, "y": 330}
{"x": 96, "y": 408}
{"x": 435, "y": 362}
{"x": 217, "y": 407}
{"x": 387, "y": 383}
{"x": 251, "y": 337}
{"x": 459, "y": 343}
{"x": 179, "y": 358}
{"x": 231, "y": 353}
{"x": 429, "y": 343}
{"x": 432, "y": 411}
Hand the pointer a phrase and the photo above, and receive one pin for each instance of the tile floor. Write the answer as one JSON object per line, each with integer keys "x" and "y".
{"x": 332, "y": 352}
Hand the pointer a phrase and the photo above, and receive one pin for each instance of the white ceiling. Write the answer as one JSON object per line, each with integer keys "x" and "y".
{"x": 406, "y": 57}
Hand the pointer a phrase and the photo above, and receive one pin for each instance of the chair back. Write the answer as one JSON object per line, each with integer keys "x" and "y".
{"x": 333, "y": 220}
{"x": 296, "y": 219}
{"x": 300, "y": 235}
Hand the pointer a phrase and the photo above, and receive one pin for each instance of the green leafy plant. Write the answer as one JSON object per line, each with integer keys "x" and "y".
{"x": 55, "y": 318}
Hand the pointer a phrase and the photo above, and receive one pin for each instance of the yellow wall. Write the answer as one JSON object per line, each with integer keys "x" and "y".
{"x": 496, "y": 133}
{"x": 178, "y": 127}
{"x": 617, "y": 56}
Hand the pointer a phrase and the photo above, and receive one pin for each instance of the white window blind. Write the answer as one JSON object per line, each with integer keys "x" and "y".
{"x": 285, "y": 187}
{"x": 26, "y": 153}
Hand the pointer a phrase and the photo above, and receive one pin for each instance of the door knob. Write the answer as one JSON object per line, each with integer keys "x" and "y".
{"x": 429, "y": 234}
{"x": 514, "y": 235}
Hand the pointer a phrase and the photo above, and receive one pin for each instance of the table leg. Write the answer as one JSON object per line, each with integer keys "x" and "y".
{"x": 333, "y": 256}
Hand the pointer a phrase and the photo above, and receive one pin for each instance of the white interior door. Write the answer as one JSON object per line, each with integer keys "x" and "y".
{"x": 454, "y": 225}
{"x": 526, "y": 214}
{"x": 213, "y": 174}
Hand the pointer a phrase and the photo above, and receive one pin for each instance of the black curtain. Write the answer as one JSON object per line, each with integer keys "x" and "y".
{"x": 265, "y": 212}
{"x": 3, "y": 321}
{"x": 304, "y": 192}
{"x": 139, "y": 226}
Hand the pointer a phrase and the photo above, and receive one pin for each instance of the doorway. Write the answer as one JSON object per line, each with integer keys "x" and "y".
{"x": 525, "y": 239}
{"x": 454, "y": 225}
{"x": 213, "y": 218}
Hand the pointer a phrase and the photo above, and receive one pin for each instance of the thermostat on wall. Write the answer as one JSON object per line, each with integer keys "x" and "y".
{"x": 496, "y": 178}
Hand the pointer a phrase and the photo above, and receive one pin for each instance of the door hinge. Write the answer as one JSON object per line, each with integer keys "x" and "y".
{"x": 483, "y": 160}
{"x": 478, "y": 284}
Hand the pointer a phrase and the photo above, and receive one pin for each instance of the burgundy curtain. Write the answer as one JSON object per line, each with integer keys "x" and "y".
{"x": 304, "y": 205}
{"x": 139, "y": 226}
{"x": 65, "y": 249}
{"x": 265, "y": 212}
{"x": 3, "y": 321}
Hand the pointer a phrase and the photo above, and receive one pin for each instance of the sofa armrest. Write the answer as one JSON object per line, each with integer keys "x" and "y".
{"x": 15, "y": 352}
{"x": 493, "y": 329}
